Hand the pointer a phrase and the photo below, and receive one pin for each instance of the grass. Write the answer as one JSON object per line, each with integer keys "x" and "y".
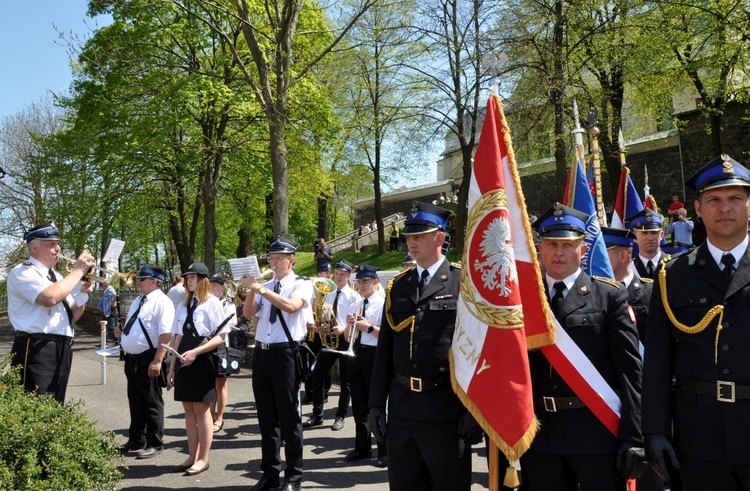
{"x": 390, "y": 261}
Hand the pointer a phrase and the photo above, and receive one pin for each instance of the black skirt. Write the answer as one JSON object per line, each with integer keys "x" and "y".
{"x": 193, "y": 383}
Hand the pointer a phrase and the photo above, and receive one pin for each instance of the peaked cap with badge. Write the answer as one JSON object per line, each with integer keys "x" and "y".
{"x": 283, "y": 245}
{"x": 722, "y": 171}
{"x": 617, "y": 237}
{"x": 645, "y": 219}
{"x": 43, "y": 231}
{"x": 423, "y": 218}
{"x": 562, "y": 223}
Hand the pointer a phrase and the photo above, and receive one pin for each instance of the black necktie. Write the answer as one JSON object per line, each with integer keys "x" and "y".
{"x": 274, "y": 310}
{"x": 728, "y": 261}
{"x": 650, "y": 269}
{"x": 358, "y": 341}
{"x": 53, "y": 278}
{"x": 557, "y": 298}
{"x": 336, "y": 304}
{"x": 422, "y": 281}
{"x": 131, "y": 321}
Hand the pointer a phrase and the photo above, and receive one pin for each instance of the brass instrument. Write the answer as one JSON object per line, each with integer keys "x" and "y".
{"x": 98, "y": 274}
{"x": 323, "y": 314}
{"x": 351, "y": 332}
{"x": 231, "y": 287}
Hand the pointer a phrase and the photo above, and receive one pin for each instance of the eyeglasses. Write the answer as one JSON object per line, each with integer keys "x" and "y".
{"x": 146, "y": 278}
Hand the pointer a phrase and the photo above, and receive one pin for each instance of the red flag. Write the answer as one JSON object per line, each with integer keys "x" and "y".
{"x": 503, "y": 309}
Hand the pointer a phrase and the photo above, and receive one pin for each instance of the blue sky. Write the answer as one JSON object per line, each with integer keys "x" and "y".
{"x": 33, "y": 59}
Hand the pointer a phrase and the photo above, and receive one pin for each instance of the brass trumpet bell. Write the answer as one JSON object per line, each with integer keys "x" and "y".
{"x": 99, "y": 274}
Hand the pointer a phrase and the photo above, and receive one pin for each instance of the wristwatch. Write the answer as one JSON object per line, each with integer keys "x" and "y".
{"x": 262, "y": 290}
{"x": 370, "y": 329}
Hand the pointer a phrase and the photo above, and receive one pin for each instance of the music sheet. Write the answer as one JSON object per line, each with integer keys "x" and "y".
{"x": 244, "y": 265}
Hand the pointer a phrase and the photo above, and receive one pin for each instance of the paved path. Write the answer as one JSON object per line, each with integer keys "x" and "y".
{"x": 235, "y": 453}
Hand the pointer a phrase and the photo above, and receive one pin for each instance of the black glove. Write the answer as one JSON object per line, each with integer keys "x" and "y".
{"x": 469, "y": 429}
{"x": 376, "y": 422}
{"x": 630, "y": 461}
{"x": 656, "y": 448}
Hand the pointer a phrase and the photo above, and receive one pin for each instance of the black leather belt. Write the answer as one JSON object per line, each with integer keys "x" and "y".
{"x": 417, "y": 384}
{"x": 272, "y": 346}
{"x": 723, "y": 391}
{"x": 146, "y": 355}
{"x": 58, "y": 338}
{"x": 554, "y": 404}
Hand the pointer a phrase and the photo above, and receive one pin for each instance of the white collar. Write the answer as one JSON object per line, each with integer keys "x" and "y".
{"x": 431, "y": 270}
{"x": 568, "y": 280}
{"x": 737, "y": 252}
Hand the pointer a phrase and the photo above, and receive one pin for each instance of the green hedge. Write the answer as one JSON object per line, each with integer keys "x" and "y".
{"x": 45, "y": 445}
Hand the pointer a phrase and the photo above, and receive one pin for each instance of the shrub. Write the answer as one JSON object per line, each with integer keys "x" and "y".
{"x": 45, "y": 445}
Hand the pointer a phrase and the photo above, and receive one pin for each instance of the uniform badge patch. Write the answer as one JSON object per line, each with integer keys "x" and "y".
{"x": 631, "y": 314}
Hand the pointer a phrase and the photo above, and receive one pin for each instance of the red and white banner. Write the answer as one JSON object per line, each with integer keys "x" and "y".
{"x": 502, "y": 309}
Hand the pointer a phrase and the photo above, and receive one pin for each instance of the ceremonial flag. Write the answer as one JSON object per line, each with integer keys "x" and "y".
{"x": 595, "y": 261}
{"x": 627, "y": 201}
{"x": 502, "y": 308}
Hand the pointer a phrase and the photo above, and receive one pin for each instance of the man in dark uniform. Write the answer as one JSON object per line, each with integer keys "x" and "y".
{"x": 573, "y": 449}
{"x": 619, "y": 244}
{"x": 699, "y": 336}
{"x": 43, "y": 307}
{"x": 281, "y": 308}
{"x": 427, "y": 428}
{"x": 646, "y": 227}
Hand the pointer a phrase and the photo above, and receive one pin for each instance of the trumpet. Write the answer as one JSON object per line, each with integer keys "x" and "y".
{"x": 323, "y": 314}
{"x": 231, "y": 287}
{"x": 351, "y": 332}
{"x": 98, "y": 274}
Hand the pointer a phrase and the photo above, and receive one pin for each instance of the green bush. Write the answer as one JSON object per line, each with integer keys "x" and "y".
{"x": 45, "y": 445}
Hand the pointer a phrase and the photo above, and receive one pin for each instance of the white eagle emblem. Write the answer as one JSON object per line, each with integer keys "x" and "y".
{"x": 498, "y": 251}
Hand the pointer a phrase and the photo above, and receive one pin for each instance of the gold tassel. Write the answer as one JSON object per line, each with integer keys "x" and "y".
{"x": 511, "y": 478}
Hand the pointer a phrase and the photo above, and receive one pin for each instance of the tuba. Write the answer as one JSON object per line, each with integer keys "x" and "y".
{"x": 323, "y": 314}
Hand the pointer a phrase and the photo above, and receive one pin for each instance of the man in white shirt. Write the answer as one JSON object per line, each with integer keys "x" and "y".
{"x": 281, "y": 308}
{"x": 43, "y": 307}
{"x": 147, "y": 327}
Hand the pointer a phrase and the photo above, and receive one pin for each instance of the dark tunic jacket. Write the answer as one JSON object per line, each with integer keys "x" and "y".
{"x": 703, "y": 426}
{"x": 434, "y": 321}
{"x": 595, "y": 315}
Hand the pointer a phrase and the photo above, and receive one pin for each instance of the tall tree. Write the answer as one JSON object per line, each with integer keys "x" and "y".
{"x": 453, "y": 32}
{"x": 383, "y": 95}
{"x": 270, "y": 31}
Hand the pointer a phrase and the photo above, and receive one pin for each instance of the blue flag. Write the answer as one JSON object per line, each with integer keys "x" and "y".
{"x": 595, "y": 261}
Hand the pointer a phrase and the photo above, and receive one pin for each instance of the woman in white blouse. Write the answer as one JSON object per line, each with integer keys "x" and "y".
{"x": 196, "y": 319}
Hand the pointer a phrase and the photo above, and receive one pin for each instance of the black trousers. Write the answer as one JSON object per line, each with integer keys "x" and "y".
{"x": 423, "y": 456}
{"x": 276, "y": 391}
{"x": 45, "y": 365}
{"x": 361, "y": 379}
{"x": 394, "y": 243}
{"x": 553, "y": 472}
{"x": 321, "y": 378}
{"x": 705, "y": 475}
{"x": 145, "y": 400}
{"x": 315, "y": 346}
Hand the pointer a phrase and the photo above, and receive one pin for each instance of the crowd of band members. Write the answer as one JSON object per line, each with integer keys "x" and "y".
{"x": 666, "y": 335}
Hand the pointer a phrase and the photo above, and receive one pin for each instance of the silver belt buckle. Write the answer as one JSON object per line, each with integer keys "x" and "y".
{"x": 264, "y": 346}
{"x": 720, "y": 391}
{"x": 415, "y": 384}
{"x": 549, "y": 404}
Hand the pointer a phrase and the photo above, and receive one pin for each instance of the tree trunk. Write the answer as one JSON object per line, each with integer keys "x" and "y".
{"x": 323, "y": 217}
{"x": 277, "y": 133}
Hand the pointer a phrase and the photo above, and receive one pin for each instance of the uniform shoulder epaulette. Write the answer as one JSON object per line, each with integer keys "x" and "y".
{"x": 303, "y": 278}
{"x": 26, "y": 263}
{"x": 397, "y": 275}
{"x": 669, "y": 257}
{"x": 456, "y": 265}
{"x": 608, "y": 281}
{"x": 647, "y": 280}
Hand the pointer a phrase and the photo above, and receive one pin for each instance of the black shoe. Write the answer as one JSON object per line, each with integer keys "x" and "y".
{"x": 313, "y": 421}
{"x": 357, "y": 455}
{"x": 307, "y": 399}
{"x": 338, "y": 424}
{"x": 291, "y": 486}
{"x": 381, "y": 462}
{"x": 266, "y": 484}
{"x": 148, "y": 452}
{"x": 131, "y": 446}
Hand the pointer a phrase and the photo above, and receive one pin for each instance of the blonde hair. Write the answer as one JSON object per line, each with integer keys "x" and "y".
{"x": 202, "y": 291}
